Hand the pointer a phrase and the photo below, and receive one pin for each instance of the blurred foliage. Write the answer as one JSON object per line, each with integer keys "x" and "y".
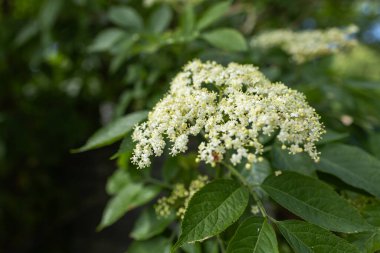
{"x": 68, "y": 67}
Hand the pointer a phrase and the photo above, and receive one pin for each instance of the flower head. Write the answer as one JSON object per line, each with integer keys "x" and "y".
{"x": 232, "y": 107}
{"x": 307, "y": 45}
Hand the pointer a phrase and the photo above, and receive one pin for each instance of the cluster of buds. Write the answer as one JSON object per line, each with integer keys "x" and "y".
{"x": 179, "y": 198}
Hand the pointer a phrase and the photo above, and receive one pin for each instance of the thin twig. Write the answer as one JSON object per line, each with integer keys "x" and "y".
{"x": 158, "y": 182}
{"x": 221, "y": 244}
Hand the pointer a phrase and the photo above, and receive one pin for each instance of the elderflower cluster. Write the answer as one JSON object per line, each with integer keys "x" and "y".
{"x": 149, "y": 3}
{"x": 179, "y": 196}
{"x": 307, "y": 45}
{"x": 231, "y": 107}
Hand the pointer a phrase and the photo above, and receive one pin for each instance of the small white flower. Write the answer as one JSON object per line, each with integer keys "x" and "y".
{"x": 232, "y": 106}
{"x": 277, "y": 173}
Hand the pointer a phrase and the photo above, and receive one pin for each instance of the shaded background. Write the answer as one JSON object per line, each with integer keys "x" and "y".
{"x": 57, "y": 87}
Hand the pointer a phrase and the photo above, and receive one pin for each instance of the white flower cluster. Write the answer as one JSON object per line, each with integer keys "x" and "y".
{"x": 149, "y": 3}
{"x": 231, "y": 107}
{"x": 307, "y": 45}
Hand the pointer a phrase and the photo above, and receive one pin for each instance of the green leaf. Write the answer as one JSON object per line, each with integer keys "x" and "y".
{"x": 352, "y": 165}
{"x": 28, "y": 32}
{"x": 158, "y": 244}
{"x": 170, "y": 169}
{"x": 254, "y": 235}
{"x": 257, "y": 173}
{"x": 372, "y": 214}
{"x": 49, "y": 13}
{"x": 149, "y": 224}
{"x": 114, "y": 131}
{"x": 115, "y": 183}
{"x": 160, "y": 19}
{"x": 192, "y": 247}
{"x": 212, "y": 209}
{"x": 307, "y": 238}
{"x": 125, "y": 148}
{"x": 122, "y": 51}
{"x": 374, "y": 144}
{"x": 211, "y": 246}
{"x": 126, "y": 17}
{"x": 300, "y": 163}
{"x": 226, "y": 39}
{"x": 315, "y": 202}
{"x": 131, "y": 196}
{"x": 106, "y": 39}
{"x": 187, "y": 20}
{"x": 332, "y": 136}
{"x": 367, "y": 242}
{"x": 213, "y": 14}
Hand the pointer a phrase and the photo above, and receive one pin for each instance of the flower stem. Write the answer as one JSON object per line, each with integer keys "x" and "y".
{"x": 244, "y": 182}
{"x": 221, "y": 245}
{"x": 158, "y": 182}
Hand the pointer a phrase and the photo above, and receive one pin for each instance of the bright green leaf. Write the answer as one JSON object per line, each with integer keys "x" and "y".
{"x": 126, "y": 17}
{"x": 213, "y": 14}
{"x": 212, "y": 209}
{"x": 106, "y": 40}
{"x": 131, "y": 196}
{"x": 307, "y": 238}
{"x": 114, "y": 131}
{"x": 352, "y": 165}
{"x": 254, "y": 235}
{"x": 149, "y": 225}
{"x": 315, "y": 202}
{"x": 226, "y": 39}
{"x": 160, "y": 19}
